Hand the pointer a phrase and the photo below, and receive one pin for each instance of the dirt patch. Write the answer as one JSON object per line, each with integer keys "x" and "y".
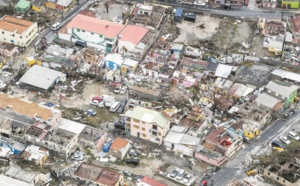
{"x": 233, "y": 35}
{"x": 115, "y": 10}
{"x": 204, "y": 28}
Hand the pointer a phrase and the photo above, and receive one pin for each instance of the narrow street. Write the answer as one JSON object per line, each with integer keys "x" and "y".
{"x": 234, "y": 168}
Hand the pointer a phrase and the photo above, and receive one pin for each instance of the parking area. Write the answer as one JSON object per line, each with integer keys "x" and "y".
{"x": 180, "y": 175}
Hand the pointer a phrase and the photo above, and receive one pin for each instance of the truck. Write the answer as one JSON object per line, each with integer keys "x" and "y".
{"x": 178, "y": 15}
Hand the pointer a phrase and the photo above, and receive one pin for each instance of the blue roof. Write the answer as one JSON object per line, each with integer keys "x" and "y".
{"x": 179, "y": 12}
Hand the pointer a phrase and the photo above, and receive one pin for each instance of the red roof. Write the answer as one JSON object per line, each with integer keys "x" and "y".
{"x": 133, "y": 34}
{"x": 152, "y": 182}
{"x": 95, "y": 25}
{"x": 213, "y": 135}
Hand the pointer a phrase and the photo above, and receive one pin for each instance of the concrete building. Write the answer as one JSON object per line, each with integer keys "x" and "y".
{"x": 98, "y": 175}
{"x": 25, "y": 176}
{"x": 95, "y": 32}
{"x": 119, "y": 147}
{"x": 268, "y": 102}
{"x": 135, "y": 41}
{"x": 38, "y": 112}
{"x": 294, "y": 24}
{"x": 17, "y": 31}
{"x": 274, "y": 44}
{"x": 147, "y": 124}
{"x": 37, "y": 154}
{"x": 41, "y": 77}
{"x": 178, "y": 141}
{"x": 286, "y": 92}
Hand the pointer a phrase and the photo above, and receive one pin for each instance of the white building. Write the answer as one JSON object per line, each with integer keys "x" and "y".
{"x": 17, "y": 31}
{"x": 178, "y": 141}
{"x": 95, "y": 32}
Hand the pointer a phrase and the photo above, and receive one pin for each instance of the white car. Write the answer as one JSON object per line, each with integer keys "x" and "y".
{"x": 293, "y": 135}
{"x": 187, "y": 178}
{"x": 199, "y": 3}
{"x": 123, "y": 90}
{"x": 285, "y": 140}
{"x": 55, "y": 26}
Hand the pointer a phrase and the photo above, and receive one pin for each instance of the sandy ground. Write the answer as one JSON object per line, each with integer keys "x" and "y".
{"x": 115, "y": 10}
{"x": 243, "y": 33}
{"x": 204, "y": 28}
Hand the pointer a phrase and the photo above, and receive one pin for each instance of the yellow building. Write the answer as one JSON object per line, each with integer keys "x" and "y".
{"x": 17, "y": 31}
{"x": 37, "y": 154}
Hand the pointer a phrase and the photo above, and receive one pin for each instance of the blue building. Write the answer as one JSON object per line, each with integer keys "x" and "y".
{"x": 16, "y": 147}
{"x": 113, "y": 61}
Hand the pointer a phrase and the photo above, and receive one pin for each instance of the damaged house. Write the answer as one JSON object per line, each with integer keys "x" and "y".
{"x": 135, "y": 41}
{"x": 178, "y": 141}
{"x": 219, "y": 145}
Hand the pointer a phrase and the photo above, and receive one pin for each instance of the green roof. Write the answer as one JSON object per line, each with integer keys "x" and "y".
{"x": 22, "y": 6}
{"x": 147, "y": 115}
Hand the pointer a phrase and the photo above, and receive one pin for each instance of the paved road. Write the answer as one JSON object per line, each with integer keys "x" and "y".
{"x": 234, "y": 168}
{"x": 49, "y": 34}
{"x": 242, "y": 11}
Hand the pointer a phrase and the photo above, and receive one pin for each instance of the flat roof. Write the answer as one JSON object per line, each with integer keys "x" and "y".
{"x": 133, "y": 34}
{"x": 287, "y": 75}
{"x": 41, "y": 77}
{"x": 15, "y": 171}
{"x": 64, "y": 2}
{"x": 97, "y": 174}
{"x": 281, "y": 88}
{"x": 223, "y": 70}
{"x": 13, "y": 24}
{"x": 147, "y": 115}
{"x": 96, "y": 25}
{"x": 25, "y": 107}
{"x": 8, "y": 181}
{"x": 267, "y": 100}
{"x": 71, "y": 126}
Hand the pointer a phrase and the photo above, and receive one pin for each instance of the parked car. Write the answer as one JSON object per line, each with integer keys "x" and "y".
{"x": 246, "y": 139}
{"x": 138, "y": 177}
{"x": 285, "y": 140}
{"x": 187, "y": 178}
{"x": 120, "y": 125}
{"x": 49, "y": 104}
{"x": 55, "y": 26}
{"x": 96, "y": 101}
{"x": 123, "y": 90}
{"x": 114, "y": 107}
{"x": 199, "y": 3}
{"x": 91, "y": 112}
{"x": 117, "y": 89}
{"x": 174, "y": 173}
{"x": 277, "y": 145}
{"x": 180, "y": 174}
{"x": 108, "y": 100}
{"x": 126, "y": 173}
{"x": 122, "y": 106}
{"x": 293, "y": 135}
{"x": 133, "y": 161}
{"x": 78, "y": 155}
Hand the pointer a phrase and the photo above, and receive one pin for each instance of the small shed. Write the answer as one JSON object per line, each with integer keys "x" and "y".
{"x": 22, "y": 6}
{"x": 178, "y": 15}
